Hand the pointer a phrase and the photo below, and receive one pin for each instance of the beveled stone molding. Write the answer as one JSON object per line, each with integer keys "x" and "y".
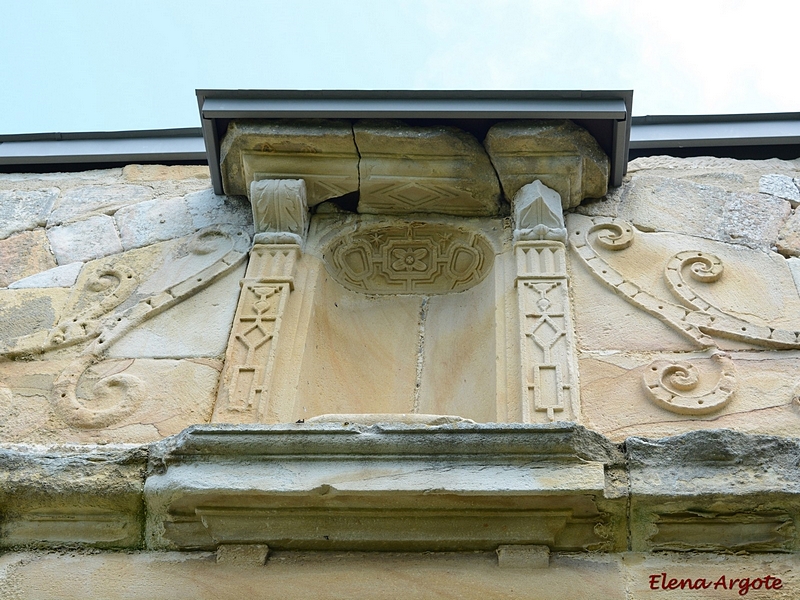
{"x": 714, "y": 490}
{"x": 384, "y": 487}
{"x": 86, "y": 496}
{"x": 409, "y": 258}
{"x": 320, "y": 152}
{"x": 561, "y": 154}
{"x": 405, "y": 169}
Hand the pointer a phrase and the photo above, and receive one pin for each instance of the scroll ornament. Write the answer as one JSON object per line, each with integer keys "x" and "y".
{"x": 674, "y": 385}
{"x": 93, "y": 316}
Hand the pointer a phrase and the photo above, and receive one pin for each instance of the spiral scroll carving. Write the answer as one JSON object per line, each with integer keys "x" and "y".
{"x": 669, "y": 384}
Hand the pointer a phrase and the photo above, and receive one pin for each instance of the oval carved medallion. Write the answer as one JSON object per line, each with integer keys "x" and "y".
{"x": 415, "y": 258}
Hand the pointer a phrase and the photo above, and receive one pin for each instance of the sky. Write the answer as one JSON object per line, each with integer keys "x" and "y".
{"x": 108, "y": 65}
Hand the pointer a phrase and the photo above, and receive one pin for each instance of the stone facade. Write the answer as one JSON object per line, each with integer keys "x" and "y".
{"x": 448, "y": 364}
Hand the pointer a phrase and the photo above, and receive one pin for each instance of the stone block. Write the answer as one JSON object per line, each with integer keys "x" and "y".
{"x": 523, "y": 557}
{"x": 321, "y": 152}
{"x": 754, "y": 286}
{"x": 206, "y": 208}
{"x": 794, "y": 267}
{"x": 63, "y": 276}
{"x": 714, "y": 490}
{"x": 562, "y": 155}
{"x": 85, "y": 240}
{"x": 242, "y": 555}
{"x": 458, "y": 481}
{"x": 781, "y": 186}
{"x": 659, "y": 203}
{"x": 91, "y": 497}
{"x": 405, "y": 169}
{"x": 143, "y": 400}
{"x": 80, "y": 202}
{"x": 153, "y": 221}
{"x": 144, "y": 173}
{"x": 197, "y": 327}
{"x": 21, "y": 210}
{"x": 614, "y": 401}
{"x": 342, "y": 575}
{"x": 24, "y": 254}
{"x": 27, "y": 311}
{"x": 789, "y": 238}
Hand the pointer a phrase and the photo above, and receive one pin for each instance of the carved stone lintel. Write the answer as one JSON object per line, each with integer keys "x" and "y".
{"x": 249, "y": 362}
{"x": 280, "y": 208}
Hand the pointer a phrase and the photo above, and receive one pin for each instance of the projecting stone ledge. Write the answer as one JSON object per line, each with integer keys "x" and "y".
{"x": 385, "y": 487}
{"x": 561, "y": 154}
{"x": 715, "y": 490}
{"x": 321, "y": 152}
{"x": 407, "y": 169}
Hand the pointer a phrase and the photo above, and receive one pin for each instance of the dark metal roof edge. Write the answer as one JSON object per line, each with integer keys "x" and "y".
{"x": 103, "y": 135}
{"x": 249, "y": 108}
{"x": 715, "y": 118}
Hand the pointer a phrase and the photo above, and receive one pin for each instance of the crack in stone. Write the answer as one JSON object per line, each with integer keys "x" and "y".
{"x": 423, "y": 315}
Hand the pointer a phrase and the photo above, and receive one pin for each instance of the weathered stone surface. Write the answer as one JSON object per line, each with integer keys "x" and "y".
{"x": 197, "y": 327}
{"x": 144, "y": 400}
{"x": 242, "y": 555}
{"x": 164, "y": 173}
{"x": 206, "y": 208}
{"x": 658, "y": 203}
{"x": 781, "y": 186}
{"x": 406, "y": 169}
{"x": 24, "y": 254}
{"x": 79, "y": 202}
{"x": 374, "y": 476}
{"x": 560, "y": 154}
{"x": 21, "y": 210}
{"x": 84, "y": 240}
{"x": 789, "y": 237}
{"x": 794, "y": 267}
{"x": 321, "y": 152}
{"x": 63, "y": 276}
{"x": 24, "y": 312}
{"x": 523, "y": 557}
{"x": 153, "y": 221}
{"x": 614, "y": 401}
{"x": 326, "y": 575}
{"x": 755, "y": 286}
{"x": 56, "y": 497}
{"x": 714, "y": 490}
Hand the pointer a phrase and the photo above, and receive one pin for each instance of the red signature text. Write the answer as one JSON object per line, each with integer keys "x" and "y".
{"x": 743, "y": 585}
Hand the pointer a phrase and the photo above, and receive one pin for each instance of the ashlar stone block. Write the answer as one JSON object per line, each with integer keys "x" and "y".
{"x": 407, "y": 169}
{"x": 85, "y": 240}
{"x": 24, "y": 254}
{"x": 562, "y": 155}
{"x": 322, "y": 153}
{"x": 22, "y": 210}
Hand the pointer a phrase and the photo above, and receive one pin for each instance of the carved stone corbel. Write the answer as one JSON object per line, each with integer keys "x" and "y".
{"x": 280, "y": 215}
{"x": 547, "y": 347}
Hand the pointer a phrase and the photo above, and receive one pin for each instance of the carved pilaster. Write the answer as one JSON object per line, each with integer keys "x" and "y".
{"x": 281, "y": 217}
{"x": 547, "y": 346}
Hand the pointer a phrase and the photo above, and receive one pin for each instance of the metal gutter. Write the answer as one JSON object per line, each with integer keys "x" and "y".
{"x": 606, "y": 114}
{"x": 102, "y": 148}
{"x": 703, "y": 131}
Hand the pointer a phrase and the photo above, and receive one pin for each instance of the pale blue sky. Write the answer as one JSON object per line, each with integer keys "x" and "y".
{"x": 92, "y": 65}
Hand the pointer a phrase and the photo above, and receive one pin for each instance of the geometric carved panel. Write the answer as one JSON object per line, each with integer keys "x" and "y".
{"x": 412, "y": 258}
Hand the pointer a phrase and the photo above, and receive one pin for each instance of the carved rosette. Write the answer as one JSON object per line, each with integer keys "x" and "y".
{"x": 416, "y": 258}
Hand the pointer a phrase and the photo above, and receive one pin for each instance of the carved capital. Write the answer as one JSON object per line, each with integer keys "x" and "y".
{"x": 280, "y": 210}
{"x": 538, "y": 214}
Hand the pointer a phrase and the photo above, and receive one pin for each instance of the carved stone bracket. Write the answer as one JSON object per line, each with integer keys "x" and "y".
{"x": 280, "y": 214}
{"x": 547, "y": 346}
